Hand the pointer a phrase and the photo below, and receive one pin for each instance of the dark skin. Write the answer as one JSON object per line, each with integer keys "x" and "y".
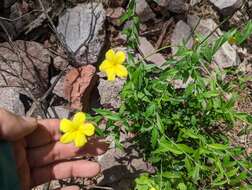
{"x": 39, "y": 155}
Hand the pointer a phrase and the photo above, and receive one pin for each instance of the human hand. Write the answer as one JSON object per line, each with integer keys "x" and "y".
{"x": 39, "y": 155}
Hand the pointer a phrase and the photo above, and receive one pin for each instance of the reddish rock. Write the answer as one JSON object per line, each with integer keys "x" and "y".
{"x": 78, "y": 85}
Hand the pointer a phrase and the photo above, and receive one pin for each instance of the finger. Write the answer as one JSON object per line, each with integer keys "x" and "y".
{"x": 79, "y": 168}
{"x": 13, "y": 127}
{"x": 46, "y": 132}
{"x": 53, "y": 152}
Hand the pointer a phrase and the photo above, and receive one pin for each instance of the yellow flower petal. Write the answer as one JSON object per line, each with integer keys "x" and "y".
{"x": 105, "y": 65}
{"x": 120, "y": 57}
{"x": 68, "y": 137}
{"x": 80, "y": 140}
{"x": 110, "y": 55}
{"x": 121, "y": 71}
{"x": 66, "y": 125}
{"x": 79, "y": 118}
{"x": 111, "y": 74}
{"x": 88, "y": 129}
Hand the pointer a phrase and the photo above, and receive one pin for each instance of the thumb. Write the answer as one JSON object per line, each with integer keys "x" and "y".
{"x": 13, "y": 127}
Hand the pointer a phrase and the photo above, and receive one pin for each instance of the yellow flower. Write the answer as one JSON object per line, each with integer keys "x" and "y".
{"x": 113, "y": 65}
{"x": 232, "y": 40}
{"x": 76, "y": 130}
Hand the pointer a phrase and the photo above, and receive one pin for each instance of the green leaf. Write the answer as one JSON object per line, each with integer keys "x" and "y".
{"x": 188, "y": 164}
{"x": 154, "y": 137}
{"x": 171, "y": 175}
{"x": 150, "y": 110}
{"x": 195, "y": 173}
{"x": 232, "y": 172}
{"x": 219, "y": 166}
{"x": 218, "y": 146}
{"x": 182, "y": 186}
{"x": 166, "y": 146}
{"x": 160, "y": 123}
{"x": 220, "y": 183}
{"x": 190, "y": 133}
{"x": 221, "y": 40}
{"x": 108, "y": 114}
{"x": 210, "y": 94}
{"x": 185, "y": 148}
{"x": 244, "y": 34}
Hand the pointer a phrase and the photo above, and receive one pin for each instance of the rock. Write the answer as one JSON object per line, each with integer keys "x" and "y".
{"x": 78, "y": 85}
{"x": 179, "y": 84}
{"x": 227, "y": 7}
{"x": 226, "y": 56}
{"x": 181, "y": 33}
{"x": 144, "y": 11}
{"x": 6, "y": 3}
{"x": 109, "y": 92}
{"x": 117, "y": 3}
{"x": 24, "y": 23}
{"x": 163, "y": 3}
{"x": 194, "y": 2}
{"x": 10, "y": 100}
{"x": 58, "y": 112}
{"x": 178, "y": 6}
{"x": 146, "y": 49}
{"x": 59, "y": 87}
{"x": 33, "y": 66}
{"x": 118, "y": 165}
{"x": 120, "y": 39}
{"x": 59, "y": 62}
{"x": 82, "y": 29}
{"x": 114, "y": 15}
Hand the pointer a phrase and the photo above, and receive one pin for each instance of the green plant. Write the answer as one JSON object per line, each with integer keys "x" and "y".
{"x": 186, "y": 128}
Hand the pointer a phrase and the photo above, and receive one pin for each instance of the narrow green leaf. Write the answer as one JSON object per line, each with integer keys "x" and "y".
{"x": 154, "y": 136}
{"x": 185, "y": 148}
{"x": 171, "y": 175}
{"x": 218, "y": 146}
{"x": 195, "y": 173}
{"x": 166, "y": 146}
{"x": 182, "y": 186}
{"x": 108, "y": 114}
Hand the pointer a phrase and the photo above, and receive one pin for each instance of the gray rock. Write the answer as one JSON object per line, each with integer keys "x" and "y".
{"x": 24, "y": 23}
{"x": 146, "y": 49}
{"x": 114, "y": 15}
{"x": 227, "y": 7}
{"x": 109, "y": 92}
{"x": 178, "y": 6}
{"x": 58, "y": 112}
{"x": 118, "y": 165}
{"x": 10, "y": 100}
{"x": 6, "y": 3}
{"x": 180, "y": 35}
{"x": 226, "y": 56}
{"x": 144, "y": 11}
{"x": 59, "y": 62}
{"x": 82, "y": 29}
{"x": 59, "y": 87}
{"x": 163, "y": 3}
{"x": 25, "y": 66}
{"x": 194, "y": 2}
